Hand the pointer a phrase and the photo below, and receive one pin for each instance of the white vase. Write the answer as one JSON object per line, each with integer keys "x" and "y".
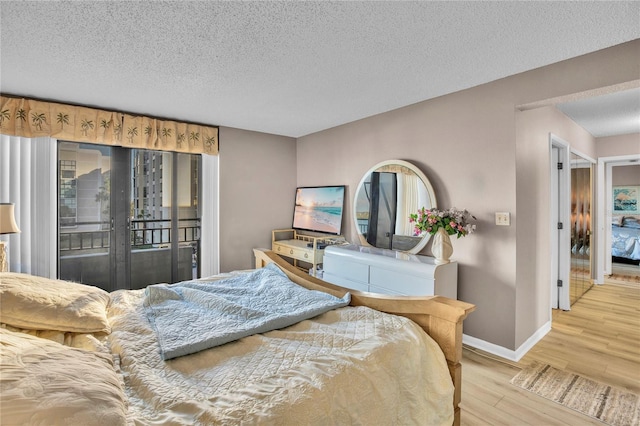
{"x": 441, "y": 247}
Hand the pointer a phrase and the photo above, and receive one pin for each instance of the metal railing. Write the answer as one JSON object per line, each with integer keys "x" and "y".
{"x": 145, "y": 233}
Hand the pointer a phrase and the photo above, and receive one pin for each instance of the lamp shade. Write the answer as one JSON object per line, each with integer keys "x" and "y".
{"x": 8, "y": 223}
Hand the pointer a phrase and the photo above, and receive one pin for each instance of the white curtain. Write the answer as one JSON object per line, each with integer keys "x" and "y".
{"x": 210, "y": 223}
{"x": 408, "y": 202}
{"x": 28, "y": 179}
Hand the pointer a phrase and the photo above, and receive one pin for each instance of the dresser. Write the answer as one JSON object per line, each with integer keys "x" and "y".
{"x": 389, "y": 272}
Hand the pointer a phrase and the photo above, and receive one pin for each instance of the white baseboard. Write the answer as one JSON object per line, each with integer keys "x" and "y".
{"x": 504, "y": 352}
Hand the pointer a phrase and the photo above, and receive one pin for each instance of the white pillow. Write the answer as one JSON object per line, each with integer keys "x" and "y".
{"x": 38, "y": 303}
{"x": 45, "y": 383}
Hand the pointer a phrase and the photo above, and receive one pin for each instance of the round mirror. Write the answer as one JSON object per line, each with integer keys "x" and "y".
{"x": 387, "y": 194}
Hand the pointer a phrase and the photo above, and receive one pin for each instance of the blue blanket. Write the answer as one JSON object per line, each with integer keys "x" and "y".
{"x": 195, "y": 315}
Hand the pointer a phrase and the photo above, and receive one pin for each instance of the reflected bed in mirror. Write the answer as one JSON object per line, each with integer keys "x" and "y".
{"x": 387, "y": 194}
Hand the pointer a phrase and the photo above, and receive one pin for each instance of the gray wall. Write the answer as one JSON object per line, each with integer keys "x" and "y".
{"x": 626, "y": 175}
{"x": 257, "y": 192}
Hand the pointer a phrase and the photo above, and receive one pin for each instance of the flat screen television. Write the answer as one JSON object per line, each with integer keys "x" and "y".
{"x": 319, "y": 209}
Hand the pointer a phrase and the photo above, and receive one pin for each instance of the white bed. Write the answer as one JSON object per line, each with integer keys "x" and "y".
{"x": 625, "y": 239}
{"x": 352, "y": 365}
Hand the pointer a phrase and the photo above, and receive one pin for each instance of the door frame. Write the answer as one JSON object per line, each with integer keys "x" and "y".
{"x": 604, "y": 214}
{"x": 560, "y": 212}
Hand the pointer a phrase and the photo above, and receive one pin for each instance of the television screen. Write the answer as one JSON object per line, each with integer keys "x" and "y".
{"x": 319, "y": 209}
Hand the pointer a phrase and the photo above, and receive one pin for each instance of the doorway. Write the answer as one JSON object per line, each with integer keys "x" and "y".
{"x": 620, "y": 255}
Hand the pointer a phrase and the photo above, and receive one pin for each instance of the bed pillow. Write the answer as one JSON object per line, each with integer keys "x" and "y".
{"x": 38, "y": 303}
{"x": 631, "y": 222}
{"x": 45, "y": 383}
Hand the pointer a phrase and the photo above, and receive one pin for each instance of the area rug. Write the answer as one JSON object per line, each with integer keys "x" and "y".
{"x": 602, "y": 402}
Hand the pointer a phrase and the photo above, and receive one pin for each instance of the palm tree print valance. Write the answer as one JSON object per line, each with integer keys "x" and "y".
{"x": 33, "y": 118}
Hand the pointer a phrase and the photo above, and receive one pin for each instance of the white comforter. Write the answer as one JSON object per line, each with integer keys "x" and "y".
{"x": 347, "y": 366}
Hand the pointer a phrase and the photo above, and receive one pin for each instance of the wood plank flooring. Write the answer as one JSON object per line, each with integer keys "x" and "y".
{"x": 599, "y": 338}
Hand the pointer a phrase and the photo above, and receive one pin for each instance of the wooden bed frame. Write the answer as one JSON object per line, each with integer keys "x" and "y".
{"x": 440, "y": 317}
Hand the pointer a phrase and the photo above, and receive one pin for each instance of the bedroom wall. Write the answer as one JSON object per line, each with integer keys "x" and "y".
{"x": 466, "y": 143}
{"x": 625, "y": 175}
{"x": 257, "y": 190}
{"x": 613, "y": 146}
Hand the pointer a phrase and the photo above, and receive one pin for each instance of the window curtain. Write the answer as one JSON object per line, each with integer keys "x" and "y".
{"x": 408, "y": 202}
{"x": 209, "y": 232}
{"x": 28, "y": 179}
{"x": 33, "y": 118}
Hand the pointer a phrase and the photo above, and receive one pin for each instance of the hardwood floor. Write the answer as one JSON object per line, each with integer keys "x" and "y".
{"x": 599, "y": 338}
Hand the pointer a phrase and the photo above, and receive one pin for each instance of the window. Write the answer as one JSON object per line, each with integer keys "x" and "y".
{"x": 115, "y": 242}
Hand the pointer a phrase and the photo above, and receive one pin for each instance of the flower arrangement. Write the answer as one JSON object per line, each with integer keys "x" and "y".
{"x": 453, "y": 221}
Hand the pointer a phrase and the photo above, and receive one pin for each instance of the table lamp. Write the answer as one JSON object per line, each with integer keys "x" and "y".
{"x": 7, "y": 226}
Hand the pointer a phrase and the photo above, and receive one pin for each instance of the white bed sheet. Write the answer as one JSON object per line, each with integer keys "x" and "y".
{"x": 625, "y": 242}
{"x": 352, "y": 365}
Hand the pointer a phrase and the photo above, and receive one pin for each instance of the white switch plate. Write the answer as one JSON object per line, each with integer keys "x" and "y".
{"x": 503, "y": 219}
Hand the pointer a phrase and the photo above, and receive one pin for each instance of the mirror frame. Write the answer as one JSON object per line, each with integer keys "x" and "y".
{"x": 425, "y": 239}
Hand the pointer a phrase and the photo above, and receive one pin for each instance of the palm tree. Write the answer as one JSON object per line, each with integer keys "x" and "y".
{"x": 62, "y": 119}
{"x": 180, "y": 139}
{"x": 85, "y": 126}
{"x": 209, "y": 142}
{"x": 21, "y": 114}
{"x": 166, "y": 133}
{"x": 132, "y": 133}
{"x": 148, "y": 130}
{"x": 195, "y": 137}
{"x": 117, "y": 131}
{"x": 4, "y": 115}
{"x": 38, "y": 119}
{"x": 105, "y": 124}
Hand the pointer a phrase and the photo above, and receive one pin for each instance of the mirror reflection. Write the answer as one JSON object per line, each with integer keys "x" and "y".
{"x": 388, "y": 193}
{"x": 581, "y": 191}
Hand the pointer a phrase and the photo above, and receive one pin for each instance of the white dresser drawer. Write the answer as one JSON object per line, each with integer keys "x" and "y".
{"x": 399, "y": 283}
{"x": 343, "y": 282}
{"x": 350, "y": 270}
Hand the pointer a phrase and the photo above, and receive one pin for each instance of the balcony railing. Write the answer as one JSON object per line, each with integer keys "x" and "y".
{"x": 146, "y": 233}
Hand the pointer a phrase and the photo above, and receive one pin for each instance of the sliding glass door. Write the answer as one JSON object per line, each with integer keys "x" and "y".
{"x": 127, "y": 218}
{"x": 165, "y": 217}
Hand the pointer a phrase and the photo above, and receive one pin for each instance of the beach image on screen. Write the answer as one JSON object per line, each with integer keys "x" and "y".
{"x": 319, "y": 209}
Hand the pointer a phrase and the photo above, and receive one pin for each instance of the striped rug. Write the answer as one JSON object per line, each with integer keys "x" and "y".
{"x": 605, "y": 403}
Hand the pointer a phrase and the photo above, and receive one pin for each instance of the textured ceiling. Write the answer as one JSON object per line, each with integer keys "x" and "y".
{"x": 289, "y": 68}
{"x": 607, "y": 115}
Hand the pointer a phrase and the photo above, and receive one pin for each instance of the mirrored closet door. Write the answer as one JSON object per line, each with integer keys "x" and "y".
{"x": 581, "y": 226}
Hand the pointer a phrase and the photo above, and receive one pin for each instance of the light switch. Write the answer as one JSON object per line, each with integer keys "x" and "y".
{"x": 503, "y": 219}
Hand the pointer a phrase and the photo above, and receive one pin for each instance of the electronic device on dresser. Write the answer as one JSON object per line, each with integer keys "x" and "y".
{"x": 317, "y": 223}
{"x": 319, "y": 209}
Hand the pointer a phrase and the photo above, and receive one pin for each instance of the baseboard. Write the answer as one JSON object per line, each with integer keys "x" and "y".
{"x": 504, "y": 352}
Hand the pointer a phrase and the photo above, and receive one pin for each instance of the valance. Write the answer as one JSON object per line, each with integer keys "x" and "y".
{"x": 32, "y": 118}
